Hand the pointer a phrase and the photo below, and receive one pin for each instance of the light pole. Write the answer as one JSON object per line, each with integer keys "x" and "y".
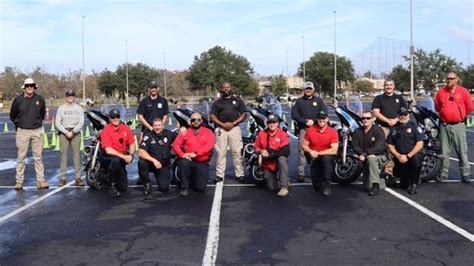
{"x": 164, "y": 72}
{"x": 412, "y": 52}
{"x": 126, "y": 70}
{"x": 83, "y": 74}
{"x": 304, "y": 64}
{"x": 335, "y": 61}
{"x": 287, "y": 76}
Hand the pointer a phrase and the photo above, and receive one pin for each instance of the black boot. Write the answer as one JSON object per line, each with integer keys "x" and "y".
{"x": 112, "y": 191}
{"x": 147, "y": 190}
{"x": 412, "y": 189}
{"x": 327, "y": 189}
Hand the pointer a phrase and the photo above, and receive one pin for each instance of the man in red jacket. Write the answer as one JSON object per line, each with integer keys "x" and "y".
{"x": 194, "y": 148}
{"x": 274, "y": 147}
{"x": 454, "y": 104}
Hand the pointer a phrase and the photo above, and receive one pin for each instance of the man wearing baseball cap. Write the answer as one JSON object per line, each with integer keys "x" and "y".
{"x": 27, "y": 113}
{"x": 274, "y": 147}
{"x": 304, "y": 114}
{"x": 69, "y": 122}
{"x": 116, "y": 136}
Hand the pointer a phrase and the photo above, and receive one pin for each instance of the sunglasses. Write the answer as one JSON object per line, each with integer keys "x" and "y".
{"x": 196, "y": 120}
{"x": 366, "y": 118}
{"x": 30, "y": 85}
{"x": 115, "y": 117}
{"x": 448, "y": 78}
{"x": 272, "y": 122}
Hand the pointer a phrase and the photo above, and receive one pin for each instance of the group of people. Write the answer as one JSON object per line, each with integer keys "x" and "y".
{"x": 389, "y": 142}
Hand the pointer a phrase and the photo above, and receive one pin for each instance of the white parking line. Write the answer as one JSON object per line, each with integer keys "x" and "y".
{"x": 433, "y": 215}
{"x": 293, "y": 136}
{"x": 457, "y": 160}
{"x": 38, "y": 200}
{"x": 212, "y": 243}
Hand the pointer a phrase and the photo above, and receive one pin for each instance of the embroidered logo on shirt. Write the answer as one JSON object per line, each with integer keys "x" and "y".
{"x": 396, "y": 100}
{"x": 234, "y": 102}
{"x": 160, "y": 105}
{"x": 409, "y": 130}
{"x": 372, "y": 139}
{"x": 277, "y": 139}
{"x": 165, "y": 140}
{"x": 315, "y": 104}
{"x": 145, "y": 138}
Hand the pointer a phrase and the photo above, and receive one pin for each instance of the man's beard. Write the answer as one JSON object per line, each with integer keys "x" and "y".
{"x": 196, "y": 127}
{"x": 226, "y": 94}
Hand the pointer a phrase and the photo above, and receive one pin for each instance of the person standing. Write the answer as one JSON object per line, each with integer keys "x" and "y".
{"x": 27, "y": 114}
{"x": 405, "y": 142}
{"x": 369, "y": 145}
{"x": 304, "y": 113}
{"x": 69, "y": 122}
{"x": 321, "y": 143}
{"x": 274, "y": 147}
{"x": 155, "y": 157}
{"x": 227, "y": 112}
{"x": 194, "y": 150}
{"x": 116, "y": 136}
{"x": 454, "y": 104}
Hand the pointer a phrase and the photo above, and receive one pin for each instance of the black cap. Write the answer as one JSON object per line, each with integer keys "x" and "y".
{"x": 322, "y": 114}
{"x": 403, "y": 111}
{"x": 114, "y": 112}
{"x": 70, "y": 93}
{"x": 272, "y": 118}
{"x": 153, "y": 84}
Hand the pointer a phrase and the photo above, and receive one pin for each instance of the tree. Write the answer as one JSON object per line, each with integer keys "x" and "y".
{"x": 279, "y": 85}
{"x": 467, "y": 77}
{"x": 139, "y": 75}
{"x": 217, "y": 65}
{"x": 401, "y": 77}
{"x": 431, "y": 68}
{"x": 108, "y": 82}
{"x": 320, "y": 70}
{"x": 363, "y": 85}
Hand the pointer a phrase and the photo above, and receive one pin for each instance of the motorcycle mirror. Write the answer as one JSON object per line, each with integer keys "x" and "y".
{"x": 129, "y": 122}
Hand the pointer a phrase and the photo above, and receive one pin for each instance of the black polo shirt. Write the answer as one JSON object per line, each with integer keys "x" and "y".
{"x": 388, "y": 105}
{"x": 305, "y": 108}
{"x": 151, "y": 109}
{"x": 228, "y": 109}
{"x": 159, "y": 145}
{"x": 404, "y": 137}
{"x": 372, "y": 143}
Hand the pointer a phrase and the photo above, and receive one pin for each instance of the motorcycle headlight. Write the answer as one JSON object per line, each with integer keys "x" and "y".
{"x": 87, "y": 150}
{"x": 428, "y": 124}
{"x": 249, "y": 148}
{"x": 434, "y": 132}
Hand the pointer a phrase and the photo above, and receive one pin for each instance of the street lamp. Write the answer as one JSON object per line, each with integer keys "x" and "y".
{"x": 335, "y": 61}
{"x": 83, "y": 74}
{"x": 164, "y": 73}
{"x": 412, "y": 52}
{"x": 304, "y": 64}
{"x": 126, "y": 70}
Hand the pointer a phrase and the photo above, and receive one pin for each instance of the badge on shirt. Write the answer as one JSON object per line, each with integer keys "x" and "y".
{"x": 160, "y": 105}
{"x": 396, "y": 100}
{"x": 419, "y": 129}
{"x": 372, "y": 139}
{"x": 234, "y": 102}
{"x": 153, "y": 141}
{"x": 409, "y": 130}
{"x": 143, "y": 144}
{"x": 37, "y": 103}
{"x": 145, "y": 138}
{"x": 315, "y": 104}
{"x": 165, "y": 140}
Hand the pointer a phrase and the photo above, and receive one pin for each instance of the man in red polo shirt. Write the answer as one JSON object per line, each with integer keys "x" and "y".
{"x": 274, "y": 146}
{"x": 454, "y": 104}
{"x": 320, "y": 144}
{"x": 194, "y": 148}
{"x": 115, "y": 137}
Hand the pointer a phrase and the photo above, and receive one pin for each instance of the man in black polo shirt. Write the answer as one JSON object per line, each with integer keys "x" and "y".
{"x": 304, "y": 113}
{"x": 227, "y": 113}
{"x": 155, "y": 157}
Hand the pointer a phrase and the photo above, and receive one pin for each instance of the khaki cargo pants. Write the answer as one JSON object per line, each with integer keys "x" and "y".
{"x": 233, "y": 140}
{"x": 23, "y": 139}
{"x": 75, "y": 144}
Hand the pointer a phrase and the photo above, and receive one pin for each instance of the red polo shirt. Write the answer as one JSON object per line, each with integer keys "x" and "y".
{"x": 453, "y": 111}
{"x": 320, "y": 141}
{"x": 201, "y": 143}
{"x": 111, "y": 136}
{"x": 276, "y": 141}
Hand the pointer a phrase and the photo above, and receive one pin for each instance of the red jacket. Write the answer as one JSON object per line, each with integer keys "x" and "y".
{"x": 201, "y": 143}
{"x": 117, "y": 138}
{"x": 275, "y": 142}
{"x": 456, "y": 110}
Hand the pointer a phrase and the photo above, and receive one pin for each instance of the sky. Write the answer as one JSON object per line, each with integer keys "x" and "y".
{"x": 270, "y": 34}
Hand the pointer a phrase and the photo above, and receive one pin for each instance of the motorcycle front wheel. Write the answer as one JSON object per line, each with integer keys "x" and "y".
{"x": 256, "y": 172}
{"x": 348, "y": 172}
{"x": 430, "y": 168}
{"x": 92, "y": 175}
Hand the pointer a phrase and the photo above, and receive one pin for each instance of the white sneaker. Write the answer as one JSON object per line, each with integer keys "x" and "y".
{"x": 283, "y": 192}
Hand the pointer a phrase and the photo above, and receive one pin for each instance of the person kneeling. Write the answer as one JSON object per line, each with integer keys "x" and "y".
{"x": 321, "y": 143}
{"x": 273, "y": 145}
{"x": 369, "y": 145}
{"x": 115, "y": 137}
{"x": 154, "y": 153}
{"x": 405, "y": 143}
{"x": 194, "y": 149}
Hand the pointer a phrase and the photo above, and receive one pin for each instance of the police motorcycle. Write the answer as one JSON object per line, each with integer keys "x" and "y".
{"x": 265, "y": 105}
{"x": 348, "y": 166}
{"x": 96, "y": 174}
{"x": 426, "y": 117}
{"x": 182, "y": 114}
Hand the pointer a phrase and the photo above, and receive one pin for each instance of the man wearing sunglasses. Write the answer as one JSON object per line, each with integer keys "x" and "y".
{"x": 274, "y": 147}
{"x": 27, "y": 113}
{"x": 227, "y": 113}
{"x": 454, "y": 104}
{"x": 194, "y": 150}
{"x": 115, "y": 137}
{"x": 155, "y": 157}
{"x": 321, "y": 143}
{"x": 405, "y": 142}
{"x": 369, "y": 145}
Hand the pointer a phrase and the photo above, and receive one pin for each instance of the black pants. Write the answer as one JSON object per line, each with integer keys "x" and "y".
{"x": 116, "y": 171}
{"x": 409, "y": 172}
{"x": 193, "y": 174}
{"x": 322, "y": 170}
{"x": 162, "y": 175}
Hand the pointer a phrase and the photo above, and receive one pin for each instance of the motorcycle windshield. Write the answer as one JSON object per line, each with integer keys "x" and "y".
{"x": 354, "y": 104}
{"x": 109, "y": 106}
{"x": 272, "y": 105}
{"x": 427, "y": 102}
